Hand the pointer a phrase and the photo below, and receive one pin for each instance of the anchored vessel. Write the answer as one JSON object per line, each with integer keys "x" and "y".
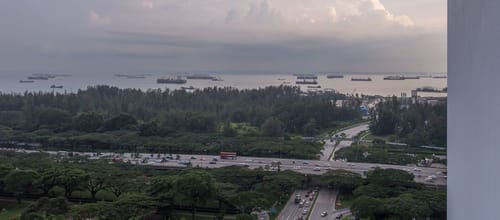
{"x": 200, "y": 76}
{"x": 333, "y": 76}
{"x": 361, "y": 79}
{"x": 394, "y": 78}
{"x": 306, "y": 76}
{"x": 177, "y": 80}
{"x": 306, "y": 82}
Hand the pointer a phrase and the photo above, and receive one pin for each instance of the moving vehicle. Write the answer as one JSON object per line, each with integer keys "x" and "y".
{"x": 323, "y": 214}
{"x": 298, "y": 199}
{"x": 339, "y": 216}
{"x": 228, "y": 155}
{"x": 317, "y": 169}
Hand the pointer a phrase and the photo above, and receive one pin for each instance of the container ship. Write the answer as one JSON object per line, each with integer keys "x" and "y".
{"x": 361, "y": 79}
{"x": 332, "y": 76}
{"x": 306, "y": 82}
{"x": 26, "y": 81}
{"x": 177, "y": 80}
{"x": 56, "y": 87}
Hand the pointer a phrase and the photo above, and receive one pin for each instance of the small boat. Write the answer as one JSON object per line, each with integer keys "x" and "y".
{"x": 281, "y": 79}
{"x": 56, "y": 87}
{"x": 361, "y": 79}
{"x": 217, "y": 79}
{"x": 26, "y": 81}
{"x": 187, "y": 88}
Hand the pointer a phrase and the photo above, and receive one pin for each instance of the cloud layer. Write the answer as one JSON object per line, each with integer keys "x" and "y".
{"x": 217, "y": 35}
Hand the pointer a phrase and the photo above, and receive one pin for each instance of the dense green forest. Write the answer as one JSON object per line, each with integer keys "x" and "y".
{"x": 417, "y": 124}
{"x": 261, "y": 122}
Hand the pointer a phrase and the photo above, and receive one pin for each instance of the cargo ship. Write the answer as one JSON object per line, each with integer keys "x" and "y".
{"x": 306, "y": 82}
{"x": 306, "y": 76}
{"x": 361, "y": 79}
{"x": 314, "y": 87}
{"x": 439, "y": 77}
{"x": 394, "y": 78}
{"x": 26, "y": 81}
{"x": 200, "y": 76}
{"x": 412, "y": 77}
{"x": 177, "y": 80}
{"x": 333, "y": 76}
{"x": 56, "y": 87}
{"x": 38, "y": 77}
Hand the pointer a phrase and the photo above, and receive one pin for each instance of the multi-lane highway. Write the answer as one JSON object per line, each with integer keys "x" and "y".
{"x": 325, "y": 202}
{"x": 422, "y": 174}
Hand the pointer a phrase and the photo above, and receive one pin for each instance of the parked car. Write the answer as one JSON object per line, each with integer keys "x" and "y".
{"x": 323, "y": 214}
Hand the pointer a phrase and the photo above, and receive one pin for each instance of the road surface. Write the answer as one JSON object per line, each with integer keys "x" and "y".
{"x": 292, "y": 211}
{"x": 324, "y": 203}
{"x": 329, "y": 149}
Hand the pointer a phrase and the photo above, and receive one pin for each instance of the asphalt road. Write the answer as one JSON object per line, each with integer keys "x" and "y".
{"x": 324, "y": 203}
{"x": 301, "y": 166}
{"x": 329, "y": 149}
{"x": 291, "y": 211}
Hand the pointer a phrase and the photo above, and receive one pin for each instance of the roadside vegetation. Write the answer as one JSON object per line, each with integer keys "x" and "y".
{"x": 75, "y": 188}
{"x": 387, "y": 154}
{"x": 386, "y": 194}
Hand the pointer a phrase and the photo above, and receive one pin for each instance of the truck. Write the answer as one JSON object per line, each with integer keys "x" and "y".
{"x": 298, "y": 199}
{"x": 228, "y": 155}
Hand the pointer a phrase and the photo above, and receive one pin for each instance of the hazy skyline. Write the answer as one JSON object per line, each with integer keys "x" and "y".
{"x": 97, "y": 36}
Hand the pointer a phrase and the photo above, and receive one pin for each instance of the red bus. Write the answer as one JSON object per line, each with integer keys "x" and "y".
{"x": 228, "y": 155}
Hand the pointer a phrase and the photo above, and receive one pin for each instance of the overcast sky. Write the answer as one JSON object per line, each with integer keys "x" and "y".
{"x": 128, "y": 36}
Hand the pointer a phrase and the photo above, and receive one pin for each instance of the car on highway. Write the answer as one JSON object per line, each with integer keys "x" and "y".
{"x": 248, "y": 160}
{"x": 350, "y": 164}
{"x": 193, "y": 158}
{"x": 317, "y": 169}
{"x": 305, "y": 162}
{"x": 339, "y": 216}
{"x": 212, "y": 162}
{"x": 304, "y": 212}
{"x": 308, "y": 204}
{"x": 324, "y": 214}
